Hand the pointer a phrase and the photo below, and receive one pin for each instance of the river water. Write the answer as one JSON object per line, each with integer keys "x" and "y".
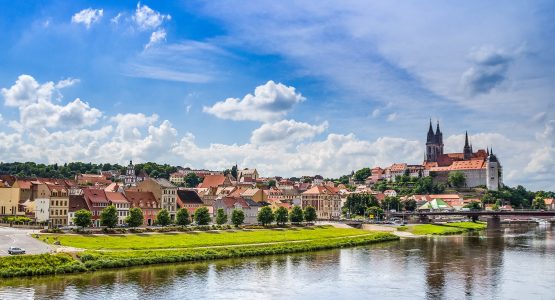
{"x": 514, "y": 264}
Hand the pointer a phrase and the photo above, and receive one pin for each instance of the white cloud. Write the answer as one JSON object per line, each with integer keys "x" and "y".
{"x": 392, "y": 117}
{"x": 286, "y": 132}
{"x": 27, "y": 90}
{"x": 127, "y": 125}
{"x": 270, "y": 102}
{"x": 156, "y": 37}
{"x": 489, "y": 70}
{"x": 87, "y": 17}
{"x": 66, "y": 83}
{"x": 115, "y": 19}
{"x": 147, "y": 18}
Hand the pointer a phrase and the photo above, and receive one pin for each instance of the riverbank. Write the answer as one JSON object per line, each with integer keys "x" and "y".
{"x": 134, "y": 250}
{"x": 443, "y": 228}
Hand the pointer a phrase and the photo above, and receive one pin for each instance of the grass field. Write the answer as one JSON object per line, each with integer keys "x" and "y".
{"x": 198, "y": 239}
{"x": 444, "y": 229}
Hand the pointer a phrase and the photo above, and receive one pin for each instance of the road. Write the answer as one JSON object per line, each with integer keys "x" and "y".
{"x": 21, "y": 238}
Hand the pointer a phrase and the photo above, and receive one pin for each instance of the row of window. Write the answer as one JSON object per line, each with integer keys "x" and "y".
{"x": 59, "y": 203}
{"x": 169, "y": 192}
{"x": 58, "y": 212}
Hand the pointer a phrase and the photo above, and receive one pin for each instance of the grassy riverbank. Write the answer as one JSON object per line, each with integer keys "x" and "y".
{"x": 444, "y": 229}
{"x": 133, "y": 251}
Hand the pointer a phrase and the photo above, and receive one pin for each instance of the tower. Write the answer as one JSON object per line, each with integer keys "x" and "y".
{"x": 493, "y": 172}
{"x": 130, "y": 178}
{"x": 467, "y": 150}
{"x": 434, "y": 143}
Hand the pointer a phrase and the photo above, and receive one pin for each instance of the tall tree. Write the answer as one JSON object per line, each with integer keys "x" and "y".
{"x": 310, "y": 214}
{"x": 265, "y": 215}
{"x": 163, "y": 217}
{"x": 202, "y": 216}
{"x": 237, "y": 217}
{"x": 221, "y": 217}
{"x": 456, "y": 179}
{"x": 135, "y": 218}
{"x": 410, "y": 205}
{"x": 109, "y": 217}
{"x": 83, "y": 218}
{"x": 538, "y": 203}
{"x": 234, "y": 172}
{"x": 296, "y": 215}
{"x": 362, "y": 174}
{"x": 182, "y": 217}
{"x": 282, "y": 215}
{"x": 192, "y": 180}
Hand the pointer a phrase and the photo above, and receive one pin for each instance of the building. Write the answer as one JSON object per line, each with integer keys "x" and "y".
{"x": 164, "y": 192}
{"x": 147, "y": 203}
{"x": 326, "y": 200}
{"x": 9, "y": 201}
{"x": 96, "y": 201}
{"x": 189, "y": 200}
{"x": 250, "y": 208}
{"x": 59, "y": 204}
{"x": 120, "y": 202}
{"x": 76, "y": 202}
{"x": 92, "y": 180}
{"x": 177, "y": 178}
{"x": 247, "y": 175}
{"x": 130, "y": 179}
{"x": 211, "y": 181}
{"x": 479, "y": 168}
{"x": 41, "y": 198}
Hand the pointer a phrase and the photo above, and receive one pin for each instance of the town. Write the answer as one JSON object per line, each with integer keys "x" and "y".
{"x": 163, "y": 195}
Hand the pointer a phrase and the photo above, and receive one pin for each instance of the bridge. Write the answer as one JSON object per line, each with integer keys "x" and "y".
{"x": 493, "y": 222}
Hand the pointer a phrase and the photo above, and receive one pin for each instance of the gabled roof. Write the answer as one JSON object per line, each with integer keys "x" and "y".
{"x": 77, "y": 202}
{"x": 163, "y": 182}
{"x": 116, "y": 197}
{"x": 321, "y": 189}
{"x": 212, "y": 181}
{"x": 142, "y": 199}
{"x": 95, "y": 196}
{"x": 188, "y": 197}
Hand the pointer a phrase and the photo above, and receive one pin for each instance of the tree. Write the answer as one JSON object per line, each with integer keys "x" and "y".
{"x": 182, "y": 217}
{"x": 474, "y": 205}
{"x": 192, "y": 180}
{"x": 135, "y": 218}
{"x": 271, "y": 183}
{"x": 265, "y": 215}
{"x": 357, "y": 203}
{"x": 237, "y": 217}
{"x": 109, "y": 217}
{"x": 310, "y": 214}
{"x": 391, "y": 203}
{"x": 83, "y": 218}
{"x": 456, "y": 179}
{"x": 282, "y": 215}
{"x": 202, "y": 216}
{"x": 234, "y": 172}
{"x": 163, "y": 218}
{"x": 362, "y": 174}
{"x": 538, "y": 203}
{"x": 296, "y": 215}
{"x": 410, "y": 205}
{"x": 221, "y": 217}
{"x": 374, "y": 212}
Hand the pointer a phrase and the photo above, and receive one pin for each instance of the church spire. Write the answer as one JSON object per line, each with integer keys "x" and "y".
{"x": 467, "y": 151}
{"x": 466, "y": 145}
{"x": 431, "y": 134}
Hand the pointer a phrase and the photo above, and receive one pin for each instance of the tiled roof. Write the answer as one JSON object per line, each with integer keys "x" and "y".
{"x": 320, "y": 189}
{"x": 116, "y": 197}
{"x": 212, "y": 181}
{"x": 164, "y": 182}
{"x": 473, "y": 164}
{"x": 398, "y": 167}
{"x": 95, "y": 195}
{"x": 188, "y": 197}
{"x": 144, "y": 198}
{"x": 77, "y": 202}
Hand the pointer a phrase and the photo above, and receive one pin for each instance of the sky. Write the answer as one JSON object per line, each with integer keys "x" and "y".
{"x": 288, "y": 87}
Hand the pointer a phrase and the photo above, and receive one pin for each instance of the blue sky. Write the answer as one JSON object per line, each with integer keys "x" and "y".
{"x": 289, "y": 88}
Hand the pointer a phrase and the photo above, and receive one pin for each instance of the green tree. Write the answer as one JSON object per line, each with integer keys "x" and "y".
{"x": 221, "y": 217}
{"x": 192, "y": 180}
{"x": 474, "y": 205}
{"x": 538, "y": 203}
{"x": 234, "y": 172}
{"x": 135, "y": 218}
{"x": 362, "y": 174}
{"x": 83, "y": 218}
{"x": 282, "y": 215}
{"x": 265, "y": 215}
{"x": 391, "y": 203}
{"x": 456, "y": 179}
{"x": 163, "y": 217}
{"x": 410, "y": 205}
{"x": 296, "y": 215}
{"x": 109, "y": 217}
{"x": 271, "y": 183}
{"x": 202, "y": 216}
{"x": 182, "y": 217}
{"x": 310, "y": 214}
{"x": 374, "y": 212}
{"x": 237, "y": 217}
{"x": 356, "y": 204}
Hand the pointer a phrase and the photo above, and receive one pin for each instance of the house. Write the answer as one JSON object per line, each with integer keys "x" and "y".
{"x": 213, "y": 181}
{"x": 189, "y": 200}
{"x": 250, "y": 208}
{"x": 41, "y": 198}
{"x": 247, "y": 175}
{"x": 177, "y": 178}
{"x": 147, "y": 203}
{"x": 549, "y": 203}
{"x": 164, "y": 192}
{"x": 59, "y": 204}
{"x": 9, "y": 201}
{"x": 318, "y": 180}
{"x": 92, "y": 180}
{"x": 436, "y": 204}
{"x": 325, "y": 200}
{"x": 254, "y": 194}
{"x": 96, "y": 201}
{"x": 390, "y": 193}
{"x": 76, "y": 202}
{"x": 121, "y": 203}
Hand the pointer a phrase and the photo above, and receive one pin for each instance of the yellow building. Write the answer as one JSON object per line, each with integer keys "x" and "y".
{"x": 9, "y": 201}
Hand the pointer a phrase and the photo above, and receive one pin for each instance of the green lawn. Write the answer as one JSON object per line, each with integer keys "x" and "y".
{"x": 445, "y": 229}
{"x": 198, "y": 239}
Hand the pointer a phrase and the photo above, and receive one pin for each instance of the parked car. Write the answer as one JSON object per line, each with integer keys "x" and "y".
{"x": 16, "y": 250}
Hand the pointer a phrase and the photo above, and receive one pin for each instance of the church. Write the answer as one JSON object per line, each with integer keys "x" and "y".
{"x": 480, "y": 168}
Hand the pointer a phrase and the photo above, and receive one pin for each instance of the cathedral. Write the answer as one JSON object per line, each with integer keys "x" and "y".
{"x": 480, "y": 168}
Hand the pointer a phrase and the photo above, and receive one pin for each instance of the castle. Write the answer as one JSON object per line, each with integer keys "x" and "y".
{"x": 479, "y": 168}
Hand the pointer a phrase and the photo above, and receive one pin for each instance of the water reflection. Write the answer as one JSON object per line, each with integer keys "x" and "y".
{"x": 505, "y": 265}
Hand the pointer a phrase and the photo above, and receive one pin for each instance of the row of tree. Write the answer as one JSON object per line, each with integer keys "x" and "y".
{"x": 109, "y": 217}
{"x": 365, "y": 204}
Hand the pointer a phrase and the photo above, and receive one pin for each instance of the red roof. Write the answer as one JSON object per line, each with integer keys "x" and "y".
{"x": 321, "y": 189}
{"x": 212, "y": 181}
{"x": 95, "y": 196}
{"x": 116, "y": 197}
{"x": 142, "y": 199}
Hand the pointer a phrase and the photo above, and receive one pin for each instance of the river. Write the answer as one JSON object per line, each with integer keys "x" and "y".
{"x": 515, "y": 264}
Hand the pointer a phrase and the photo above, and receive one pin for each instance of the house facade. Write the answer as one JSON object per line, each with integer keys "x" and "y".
{"x": 326, "y": 200}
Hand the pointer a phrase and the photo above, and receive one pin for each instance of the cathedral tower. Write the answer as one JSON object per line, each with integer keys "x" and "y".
{"x": 493, "y": 171}
{"x": 434, "y": 143}
{"x": 467, "y": 150}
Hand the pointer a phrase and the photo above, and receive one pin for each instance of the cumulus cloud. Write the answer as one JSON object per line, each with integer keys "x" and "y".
{"x": 286, "y": 131}
{"x": 488, "y": 71}
{"x": 87, "y": 16}
{"x": 270, "y": 102}
{"x": 127, "y": 124}
{"x": 146, "y": 18}
{"x": 156, "y": 37}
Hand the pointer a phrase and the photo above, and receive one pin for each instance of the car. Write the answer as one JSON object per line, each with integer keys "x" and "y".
{"x": 16, "y": 250}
